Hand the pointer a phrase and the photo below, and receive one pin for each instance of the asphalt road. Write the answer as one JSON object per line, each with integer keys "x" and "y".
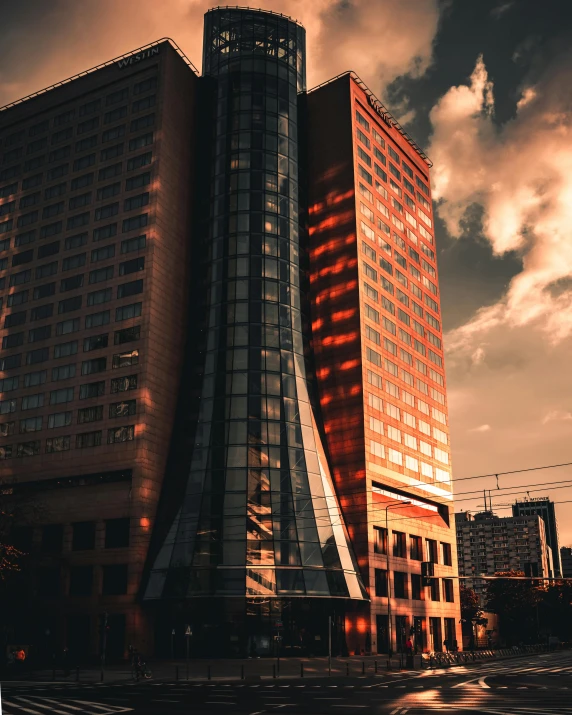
{"x": 539, "y": 684}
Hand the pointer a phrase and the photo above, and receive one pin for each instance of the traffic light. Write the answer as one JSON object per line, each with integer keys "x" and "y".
{"x": 427, "y": 572}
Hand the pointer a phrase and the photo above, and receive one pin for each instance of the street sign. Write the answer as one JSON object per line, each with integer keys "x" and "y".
{"x": 188, "y": 631}
{"x": 279, "y": 624}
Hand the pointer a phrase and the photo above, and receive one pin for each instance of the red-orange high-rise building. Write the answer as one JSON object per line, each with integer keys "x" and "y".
{"x": 377, "y": 339}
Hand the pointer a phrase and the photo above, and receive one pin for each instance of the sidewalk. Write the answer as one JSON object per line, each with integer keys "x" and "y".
{"x": 232, "y": 669}
{"x": 270, "y": 668}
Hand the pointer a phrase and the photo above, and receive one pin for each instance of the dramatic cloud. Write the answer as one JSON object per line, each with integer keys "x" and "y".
{"x": 521, "y": 175}
{"x": 508, "y": 366}
{"x": 68, "y": 37}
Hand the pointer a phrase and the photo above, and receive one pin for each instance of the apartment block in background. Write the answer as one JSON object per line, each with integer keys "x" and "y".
{"x": 95, "y": 196}
{"x": 377, "y": 341}
{"x": 545, "y": 508}
{"x": 488, "y": 544}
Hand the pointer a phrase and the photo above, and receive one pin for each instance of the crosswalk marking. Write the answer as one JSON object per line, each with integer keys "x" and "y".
{"x": 34, "y": 705}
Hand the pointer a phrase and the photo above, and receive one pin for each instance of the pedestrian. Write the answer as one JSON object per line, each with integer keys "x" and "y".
{"x": 409, "y": 646}
{"x": 446, "y": 644}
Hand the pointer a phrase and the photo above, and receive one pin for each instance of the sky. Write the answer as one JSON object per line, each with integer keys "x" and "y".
{"x": 485, "y": 87}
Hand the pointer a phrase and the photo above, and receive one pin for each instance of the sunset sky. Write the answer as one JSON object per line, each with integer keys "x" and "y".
{"x": 485, "y": 87}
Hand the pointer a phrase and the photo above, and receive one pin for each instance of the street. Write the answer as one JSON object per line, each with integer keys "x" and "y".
{"x": 527, "y": 685}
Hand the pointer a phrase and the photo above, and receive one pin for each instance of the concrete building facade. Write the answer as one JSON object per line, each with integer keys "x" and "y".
{"x": 545, "y": 508}
{"x": 488, "y": 544}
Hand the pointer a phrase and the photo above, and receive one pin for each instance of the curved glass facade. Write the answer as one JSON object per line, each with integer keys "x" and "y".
{"x": 260, "y": 517}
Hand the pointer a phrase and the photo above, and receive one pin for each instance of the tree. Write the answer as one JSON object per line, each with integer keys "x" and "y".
{"x": 471, "y": 613}
{"x": 515, "y": 601}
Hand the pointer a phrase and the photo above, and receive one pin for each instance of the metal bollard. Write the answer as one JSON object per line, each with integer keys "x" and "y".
{"x": 363, "y": 667}
{"x": 176, "y": 672}
{"x": 274, "y": 671}
{"x": 347, "y": 668}
{"x": 389, "y": 664}
{"x": 301, "y": 670}
{"x": 242, "y": 672}
{"x": 208, "y": 672}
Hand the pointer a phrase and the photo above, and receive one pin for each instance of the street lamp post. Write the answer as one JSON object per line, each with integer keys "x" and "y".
{"x": 389, "y": 635}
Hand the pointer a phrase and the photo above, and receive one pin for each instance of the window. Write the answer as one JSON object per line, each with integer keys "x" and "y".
{"x": 88, "y": 439}
{"x": 31, "y": 424}
{"x": 117, "y": 96}
{"x": 96, "y": 320}
{"x": 416, "y": 548}
{"x": 10, "y": 362}
{"x": 448, "y": 594}
{"x": 109, "y": 172}
{"x": 59, "y": 419}
{"x": 95, "y": 342}
{"x": 85, "y": 161}
{"x": 73, "y": 262}
{"x": 126, "y": 359}
{"x": 98, "y": 297}
{"x": 144, "y": 103}
{"x": 123, "y": 409}
{"x": 432, "y": 554}
{"x": 115, "y": 114}
{"x": 7, "y": 406}
{"x": 417, "y": 590}
{"x": 377, "y": 449}
{"x": 37, "y": 356}
{"x": 78, "y": 201}
{"x": 142, "y": 160}
{"x": 100, "y": 234}
{"x": 76, "y": 241}
{"x": 106, "y": 192}
{"x": 133, "y": 266}
{"x": 71, "y": 283}
{"x": 57, "y": 444}
{"x": 129, "y": 224}
{"x": 32, "y": 379}
{"x": 88, "y": 367}
{"x": 65, "y": 349}
{"x": 101, "y": 274}
{"x": 80, "y": 182}
{"x": 400, "y": 584}
{"x": 128, "y": 311}
{"x": 140, "y": 142}
{"x": 14, "y": 319}
{"x": 81, "y": 580}
{"x": 20, "y": 278}
{"x": 48, "y": 249}
{"x": 58, "y": 397}
{"x": 28, "y": 449}
{"x": 140, "y": 180}
{"x": 37, "y": 334}
{"x": 381, "y": 583}
{"x": 23, "y": 239}
{"x": 447, "y": 555}
{"x": 106, "y": 211}
{"x": 380, "y": 540}
{"x": 90, "y": 414}
{"x": 92, "y": 389}
{"x": 117, "y": 533}
{"x": 145, "y": 85}
{"x": 12, "y": 341}
{"x": 57, "y": 172}
{"x": 435, "y": 595}
{"x": 123, "y": 384}
{"x": 121, "y": 434}
{"x": 114, "y": 580}
{"x": 69, "y": 304}
{"x": 114, "y": 133}
{"x": 136, "y": 202}
{"x": 83, "y": 536}
{"x": 133, "y": 244}
{"x": 32, "y": 402}
{"x": 65, "y": 372}
{"x": 399, "y": 545}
